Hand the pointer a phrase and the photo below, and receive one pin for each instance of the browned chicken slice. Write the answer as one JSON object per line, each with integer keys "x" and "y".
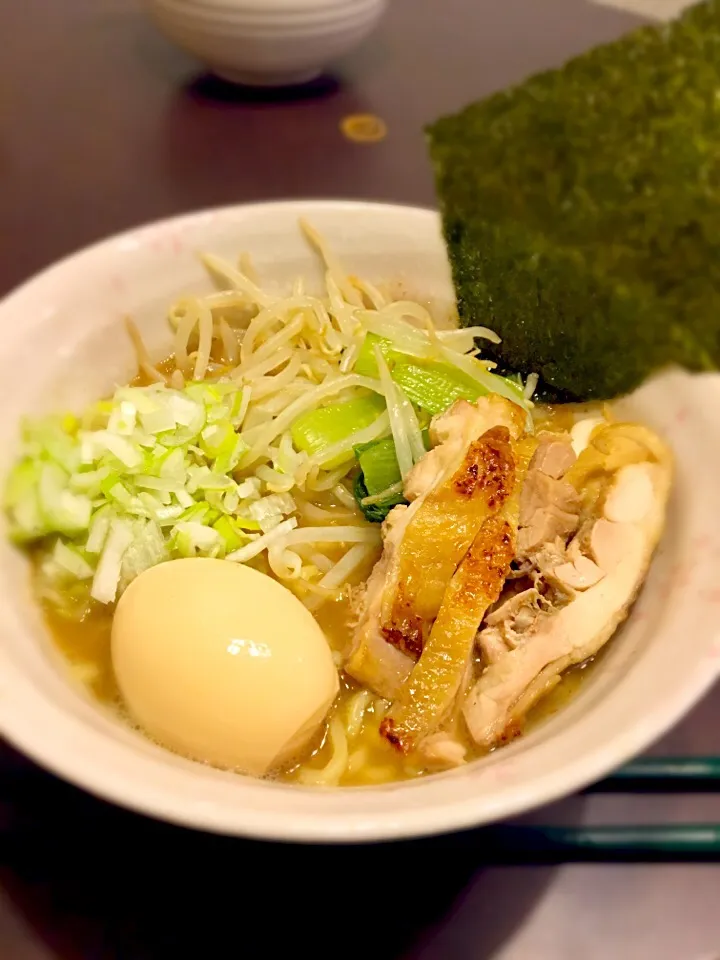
{"x": 424, "y": 542}
{"x": 440, "y": 534}
{"x": 430, "y": 691}
{"x": 600, "y": 571}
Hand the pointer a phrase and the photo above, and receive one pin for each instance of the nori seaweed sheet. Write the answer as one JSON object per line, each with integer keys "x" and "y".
{"x": 581, "y": 211}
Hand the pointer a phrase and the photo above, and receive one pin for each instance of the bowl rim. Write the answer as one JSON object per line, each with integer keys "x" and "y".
{"x": 270, "y": 9}
{"x": 278, "y": 21}
{"x": 42, "y": 741}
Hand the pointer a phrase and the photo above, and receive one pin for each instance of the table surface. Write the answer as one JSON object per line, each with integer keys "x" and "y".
{"x": 102, "y": 126}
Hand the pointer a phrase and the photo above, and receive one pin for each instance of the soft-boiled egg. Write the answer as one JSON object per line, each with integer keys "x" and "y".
{"x": 222, "y": 664}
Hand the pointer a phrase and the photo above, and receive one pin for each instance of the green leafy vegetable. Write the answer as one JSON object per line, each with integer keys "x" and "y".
{"x": 379, "y": 465}
{"x": 318, "y": 429}
{"x": 379, "y": 471}
{"x": 377, "y": 511}
{"x": 431, "y": 385}
{"x": 582, "y": 215}
{"x": 366, "y": 362}
{"x": 435, "y": 386}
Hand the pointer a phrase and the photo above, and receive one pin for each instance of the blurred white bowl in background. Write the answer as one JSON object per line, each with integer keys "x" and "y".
{"x": 266, "y": 42}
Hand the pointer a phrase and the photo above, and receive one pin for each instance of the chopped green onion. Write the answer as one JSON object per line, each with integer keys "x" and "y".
{"x": 99, "y": 529}
{"x": 61, "y": 510}
{"x": 71, "y": 561}
{"x": 22, "y": 503}
{"x": 231, "y": 532}
{"x": 145, "y": 480}
{"x": 192, "y": 539}
{"x": 107, "y": 574}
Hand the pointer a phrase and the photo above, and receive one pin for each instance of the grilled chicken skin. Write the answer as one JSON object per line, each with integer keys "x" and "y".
{"x": 423, "y": 542}
{"x": 517, "y": 556}
{"x": 583, "y": 588}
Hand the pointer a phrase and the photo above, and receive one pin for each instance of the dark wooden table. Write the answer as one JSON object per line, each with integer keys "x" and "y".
{"x": 102, "y": 126}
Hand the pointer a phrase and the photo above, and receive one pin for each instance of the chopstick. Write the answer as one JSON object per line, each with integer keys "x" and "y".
{"x": 695, "y": 839}
{"x": 645, "y": 774}
{"x": 658, "y": 774}
{"x": 685, "y": 768}
{"x": 655, "y": 774}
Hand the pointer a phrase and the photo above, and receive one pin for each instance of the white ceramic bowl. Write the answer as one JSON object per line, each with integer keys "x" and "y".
{"x": 63, "y": 343}
{"x": 266, "y": 42}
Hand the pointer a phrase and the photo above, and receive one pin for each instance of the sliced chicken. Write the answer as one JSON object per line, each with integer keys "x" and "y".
{"x": 602, "y": 572}
{"x": 425, "y": 541}
{"x": 507, "y": 625}
{"x": 554, "y": 455}
{"x": 549, "y": 513}
{"x": 549, "y": 505}
{"x": 430, "y": 691}
{"x": 440, "y": 534}
{"x": 442, "y": 751}
{"x": 374, "y": 661}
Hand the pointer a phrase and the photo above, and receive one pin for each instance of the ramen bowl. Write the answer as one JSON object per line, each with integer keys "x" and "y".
{"x": 64, "y": 344}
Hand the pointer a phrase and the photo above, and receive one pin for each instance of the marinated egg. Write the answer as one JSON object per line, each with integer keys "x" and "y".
{"x": 222, "y": 664}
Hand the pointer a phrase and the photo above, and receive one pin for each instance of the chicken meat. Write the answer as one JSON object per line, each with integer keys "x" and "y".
{"x": 466, "y": 475}
{"x": 581, "y": 589}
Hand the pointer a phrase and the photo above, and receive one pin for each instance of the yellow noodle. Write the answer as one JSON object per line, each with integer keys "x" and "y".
{"x": 186, "y": 325}
{"x": 357, "y": 760}
{"x": 330, "y": 774}
{"x": 205, "y": 331}
{"x": 315, "y": 514}
{"x": 285, "y": 564}
{"x": 382, "y": 774}
{"x": 343, "y": 495}
{"x": 346, "y": 567}
{"x": 322, "y": 480}
{"x": 355, "y": 712}
{"x": 230, "y": 345}
{"x": 145, "y": 365}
